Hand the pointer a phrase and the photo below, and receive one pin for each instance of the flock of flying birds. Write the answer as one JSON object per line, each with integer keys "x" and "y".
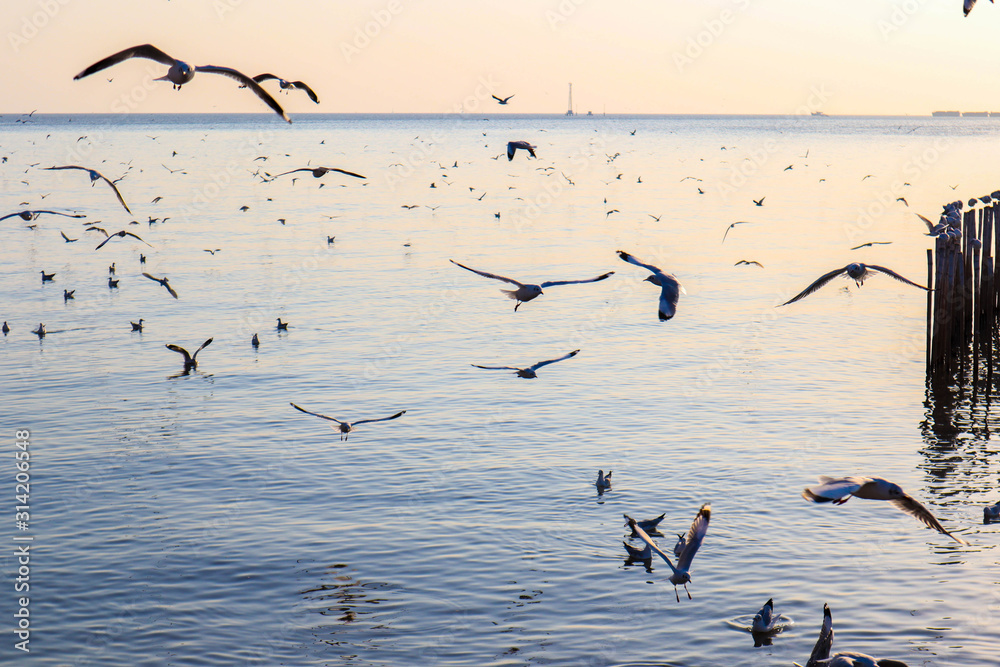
{"x": 829, "y": 490}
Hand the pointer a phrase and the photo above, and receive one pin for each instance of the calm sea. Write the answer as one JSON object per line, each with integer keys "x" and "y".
{"x": 200, "y": 520}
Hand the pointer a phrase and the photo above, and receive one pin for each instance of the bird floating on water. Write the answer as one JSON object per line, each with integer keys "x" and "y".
{"x": 858, "y": 271}
{"x": 47, "y": 277}
{"x": 529, "y": 372}
{"x": 603, "y": 482}
{"x": 346, "y": 427}
{"x": 94, "y": 177}
{"x": 991, "y": 513}
{"x": 525, "y": 291}
{"x": 40, "y": 331}
{"x": 670, "y": 288}
{"x": 137, "y": 326}
{"x": 763, "y": 620}
{"x": 255, "y": 341}
{"x": 68, "y": 294}
{"x": 282, "y": 326}
{"x": 695, "y": 535}
{"x": 190, "y": 360}
{"x": 5, "y": 329}
{"x": 180, "y": 72}
{"x": 512, "y": 147}
{"x": 839, "y": 490}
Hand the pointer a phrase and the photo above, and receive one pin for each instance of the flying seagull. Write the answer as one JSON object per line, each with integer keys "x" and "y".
{"x": 529, "y": 372}
{"x": 759, "y": 202}
{"x": 288, "y": 85}
{"x": 121, "y": 234}
{"x": 66, "y": 238}
{"x": 163, "y": 281}
{"x": 190, "y": 360}
{"x": 180, "y": 72}
{"x": 694, "y": 538}
{"x": 94, "y": 177}
{"x": 346, "y": 427}
{"x": 33, "y": 215}
{"x": 870, "y": 244}
{"x": 967, "y": 7}
{"x": 748, "y": 262}
{"x": 512, "y": 147}
{"x": 858, "y": 271}
{"x": 317, "y": 172}
{"x": 740, "y": 222}
{"x": 839, "y": 491}
{"x": 503, "y": 100}
{"x": 670, "y": 288}
{"x": 526, "y": 292}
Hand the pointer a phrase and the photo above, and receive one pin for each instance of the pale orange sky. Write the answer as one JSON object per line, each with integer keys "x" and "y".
{"x": 622, "y": 56}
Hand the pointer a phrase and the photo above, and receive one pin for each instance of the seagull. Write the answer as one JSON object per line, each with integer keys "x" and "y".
{"x": 212, "y": 252}
{"x": 991, "y": 513}
{"x": 603, "y": 482}
{"x": 839, "y": 491}
{"x": 94, "y": 177}
{"x": 870, "y": 244}
{"x": 967, "y": 7}
{"x": 680, "y": 544}
{"x": 5, "y": 329}
{"x": 190, "y": 360}
{"x": 346, "y": 427}
{"x": 648, "y": 524}
{"x": 670, "y": 288}
{"x": 137, "y": 326}
{"x": 255, "y": 341}
{"x": 68, "y": 294}
{"x": 821, "y": 651}
{"x": 180, "y": 72}
{"x": 740, "y": 222}
{"x": 529, "y": 372}
{"x": 40, "y": 331}
{"x": 68, "y": 239}
{"x": 33, "y": 215}
{"x": 121, "y": 234}
{"x": 317, "y": 172}
{"x": 903, "y": 199}
{"x": 503, "y": 100}
{"x": 759, "y": 202}
{"x": 853, "y": 659}
{"x": 47, "y": 277}
{"x": 163, "y": 281}
{"x": 512, "y": 147}
{"x": 282, "y": 326}
{"x": 638, "y": 554}
{"x": 858, "y": 271}
{"x": 112, "y": 283}
{"x": 288, "y": 85}
{"x": 748, "y": 262}
{"x": 695, "y": 536}
{"x": 526, "y": 292}
{"x": 763, "y": 620}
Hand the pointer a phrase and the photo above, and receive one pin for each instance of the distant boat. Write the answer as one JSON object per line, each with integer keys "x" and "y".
{"x": 949, "y": 114}
{"x": 976, "y": 114}
{"x": 818, "y": 113}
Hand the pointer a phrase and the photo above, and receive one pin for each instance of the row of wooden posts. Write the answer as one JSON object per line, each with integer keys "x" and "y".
{"x": 964, "y": 299}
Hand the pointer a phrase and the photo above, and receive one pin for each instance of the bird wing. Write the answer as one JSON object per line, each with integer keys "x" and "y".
{"x": 822, "y": 280}
{"x": 821, "y": 651}
{"x": 202, "y": 347}
{"x": 266, "y": 77}
{"x": 315, "y": 414}
{"x": 553, "y": 283}
{"x": 930, "y": 225}
{"x": 496, "y": 368}
{"x": 694, "y": 537}
{"x": 913, "y": 507}
{"x": 301, "y": 85}
{"x": 670, "y": 291}
{"x": 293, "y": 171}
{"x": 511, "y": 149}
{"x": 143, "y": 51}
{"x": 68, "y": 215}
{"x": 552, "y": 361}
{"x": 632, "y": 259}
{"x": 344, "y": 171}
{"x": 383, "y": 419}
{"x": 98, "y": 229}
{"x": 830, "y": 488}
{"x": 641, "y": 534}
{"x": 154, "y": 278}
{"x": 249, "y": 83}
{"x": 488, "y": 275}
{"x": 178, "y": 348}
{"x": 651, "y": 524}
{"x": 893, "y": 274}
{"x": 113, "y": 187}
{"x": 11, "y": 215}
{"x": 136, "y": 236}
{"x": 729, "y": 228}
{"x": 105, "y": 241}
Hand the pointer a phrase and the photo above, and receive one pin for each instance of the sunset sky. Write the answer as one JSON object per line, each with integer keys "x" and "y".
{"x": 622, "y": 56}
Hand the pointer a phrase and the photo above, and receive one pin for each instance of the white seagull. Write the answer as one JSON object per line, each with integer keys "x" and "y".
{"x": 288, "y": 85}
{"x": 529, "y": 372}
{"x": 95, "y": 176}
{"x": 512, "y": 147}
{"x": 670, "y": 288}
{"x": 839, "y": 491}
{"x": 526, "y": 292}
{"x": 180, "y": 72}
{"x": 858, "y": 271}
{"x": 694, "y": 538}
{"x": 346, "y": 427}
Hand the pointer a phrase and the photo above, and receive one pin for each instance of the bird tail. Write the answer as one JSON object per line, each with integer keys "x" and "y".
{"x": 511, "y": 294}
{"x": 809, "y": 495}
{"x": 664, "y": 316}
